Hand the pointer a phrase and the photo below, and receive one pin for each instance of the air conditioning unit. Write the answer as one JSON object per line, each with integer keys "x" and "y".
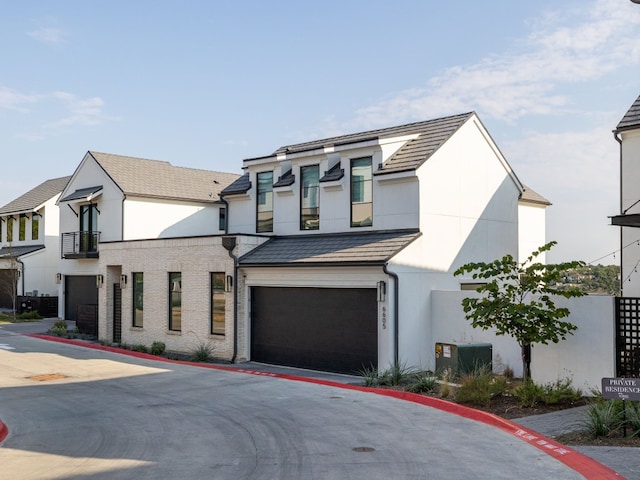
{"x": 459, "y": 358}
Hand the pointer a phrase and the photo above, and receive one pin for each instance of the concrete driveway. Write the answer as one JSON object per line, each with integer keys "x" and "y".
{"x": 77, "y": 413}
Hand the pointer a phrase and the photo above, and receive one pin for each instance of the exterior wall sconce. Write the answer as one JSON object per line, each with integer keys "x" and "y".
{"x": 58, "y": 278}
{"x": 229, "y": 283}
{"x": 382, "y": 290}
{"x": 99, "y": 280}
{"x": 123, "y": 281}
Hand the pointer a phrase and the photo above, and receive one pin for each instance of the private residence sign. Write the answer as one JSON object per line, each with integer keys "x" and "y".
{"x": 621, "y": 388}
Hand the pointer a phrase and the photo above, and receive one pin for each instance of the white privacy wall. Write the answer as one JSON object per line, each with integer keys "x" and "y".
{"x": 630, "y": 196}
{"x": 585, "y": 357}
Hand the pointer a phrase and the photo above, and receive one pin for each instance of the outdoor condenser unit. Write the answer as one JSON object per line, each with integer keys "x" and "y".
{"x": 463, "y": 357}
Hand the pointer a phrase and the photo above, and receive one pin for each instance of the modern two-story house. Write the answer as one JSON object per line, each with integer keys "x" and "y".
{"x": 30, "y": 243}
{"x": 110, "y": 207}
{"x": 361, "y": 228}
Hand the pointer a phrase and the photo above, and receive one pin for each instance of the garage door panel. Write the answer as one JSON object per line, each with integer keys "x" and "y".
{"x": 327, "y": 329}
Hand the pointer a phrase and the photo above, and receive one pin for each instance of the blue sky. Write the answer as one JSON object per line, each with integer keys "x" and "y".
{"x": 205, "y": 84}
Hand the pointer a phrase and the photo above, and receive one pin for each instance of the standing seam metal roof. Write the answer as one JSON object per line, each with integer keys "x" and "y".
{"x": 36, "y": 196}
{"x": 158, "y": 179}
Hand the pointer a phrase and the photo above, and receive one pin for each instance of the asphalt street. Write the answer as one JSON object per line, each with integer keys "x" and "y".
{"x": 80, "y": 413}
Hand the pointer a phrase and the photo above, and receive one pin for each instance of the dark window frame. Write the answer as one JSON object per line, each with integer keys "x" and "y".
{"x": 217, "y": 291}
{"x": 310, "y": 186}
{"x": 222, "y": 218}
{"x": 35, "y": 226}
{"x": 264, "y": 196}
{"x": 358, "y": 189}
{"x": 22, "y": 227}
{"x": 175, "y": 299}
{"x": 137, "y": 289}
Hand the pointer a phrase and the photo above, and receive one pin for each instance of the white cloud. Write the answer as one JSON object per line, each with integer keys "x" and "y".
{"x": 12, "y": 100}
{"x": 52, "y": 36}
{"x": 599, "y": 39}
{"x": 80, "y": 111}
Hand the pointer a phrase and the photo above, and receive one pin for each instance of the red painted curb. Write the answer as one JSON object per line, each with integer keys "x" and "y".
{"x": 586, "y": 466}
{"x": 4, "y": 431}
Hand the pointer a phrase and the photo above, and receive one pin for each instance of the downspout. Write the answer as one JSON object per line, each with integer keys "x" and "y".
{"x": 619, "y": 140}
{"x": 229, "y": 243}
{"x": 396, "y": 316}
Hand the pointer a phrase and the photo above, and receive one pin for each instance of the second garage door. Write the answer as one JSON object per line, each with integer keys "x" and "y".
{"x": 331, "y": 329}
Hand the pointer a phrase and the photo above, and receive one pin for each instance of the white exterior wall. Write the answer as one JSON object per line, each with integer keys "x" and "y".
{"x": 468, "y": 212}
{"x": 630, "y": 195}
{"x": 195, "y": 259}
{"x": 531, "y": 230}
{"x": 584, "y": 357}
{"x": 153, "y": 218}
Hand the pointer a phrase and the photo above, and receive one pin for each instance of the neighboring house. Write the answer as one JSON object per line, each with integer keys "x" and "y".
{"x": 627, "y": 134}
{"x": 126, "y": 222}
{"x": 362, "y": 229}
{"x": 30, "y": 243}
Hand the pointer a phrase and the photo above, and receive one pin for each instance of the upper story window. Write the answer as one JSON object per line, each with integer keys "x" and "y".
{"x": 309, "y": 197}
{"x": 1, "y": 222}
{"x": 35, "y": 226}
{"x": 264, "y": 220}
{"x": 22, "y": 228}
{"x": 361, "y": 192}
{"x": 9, "y": 229}
{"x": 222, "y": 218}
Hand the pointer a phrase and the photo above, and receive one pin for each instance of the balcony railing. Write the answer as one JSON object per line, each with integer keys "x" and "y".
{"x": 80, "y": 244}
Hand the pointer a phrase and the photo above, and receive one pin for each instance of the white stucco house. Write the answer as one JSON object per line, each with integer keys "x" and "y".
{"x": 359, "y": 230}
{"x": 111, "y": 212}
{"x": 30, "y": 243}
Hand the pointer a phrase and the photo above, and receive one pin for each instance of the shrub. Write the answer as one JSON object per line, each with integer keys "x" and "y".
{"x": 370, "y": 376}
{"x": 603, "y": 418}
{"x": 139, "y": 348}
{"x": 202, "y": 352}
{"x": 424, "y": 382}
{"x": 560, "y": 392}
{"x": 396, "y": 374}
{"x": 157, "y": 348}
{"x": 32, "y": 315}
{"x": 59, "y": 328}
{"x": 479, "y": 387}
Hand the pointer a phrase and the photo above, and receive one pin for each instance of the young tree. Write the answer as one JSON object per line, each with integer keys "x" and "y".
{"x": 518, "y": 301}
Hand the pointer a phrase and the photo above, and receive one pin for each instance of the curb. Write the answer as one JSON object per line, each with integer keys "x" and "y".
{"x": 586, "y": 466}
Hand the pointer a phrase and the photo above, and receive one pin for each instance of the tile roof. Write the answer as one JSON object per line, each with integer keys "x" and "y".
{"x": 431, "y": 135}
{"x": 372, "y": 248}
{"x": 530, "y": 196}
{"x": 241, "y": 185}
{"x": 15, "y": 252}
{"x": 285, "y": 180}
{"x": 157, "y": 179}
{"x": 36, "y": 196}
{"x": 631, "y": 119}
{"x": 334, "y": 173}
{"x": 81, "y": 193}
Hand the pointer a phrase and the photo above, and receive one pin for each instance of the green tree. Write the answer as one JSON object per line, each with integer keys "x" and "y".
{"x": 517, "y": 300}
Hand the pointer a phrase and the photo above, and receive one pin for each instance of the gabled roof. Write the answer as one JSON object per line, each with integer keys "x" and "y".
{"x": 241, "y": 185}
{"x": 367, "y": 248}
{"x": 431, "y": 135}
{"x": 15, "y": 252}
{"x": 35, "y": 197}
{"x": 157, "y": 179}
{"x": 530, "y": 196}
{"x": 631, "y": 119}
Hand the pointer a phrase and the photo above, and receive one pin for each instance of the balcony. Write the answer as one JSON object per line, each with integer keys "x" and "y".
{"x": 80, "y": 244}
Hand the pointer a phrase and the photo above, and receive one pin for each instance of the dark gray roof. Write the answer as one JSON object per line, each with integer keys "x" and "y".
{"x": 15, "y": 252}
{"x": 36, "y": 196}
{"x": 81, "y": 193}
{"x": 432, "y": 135}
{"x": 285, "y": 180}
{"x": 158, "y": 179}
{"x": 241, "y": 185}
{"x": 335, "y": 173}
{"x": 632, "y": 118}
{"x": 372, "y": 248}
{"x": 530, "y": 196}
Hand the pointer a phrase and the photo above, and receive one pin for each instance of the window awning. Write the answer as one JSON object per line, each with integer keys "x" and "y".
{"x": 83, "y": 194}
{"x": 626, "y": 220}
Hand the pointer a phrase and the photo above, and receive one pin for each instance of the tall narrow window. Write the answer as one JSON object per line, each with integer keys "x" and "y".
{"x": 35, "y": 226}
{"x": 88, "y": 228}
{"x": 218, "y": 301}
{"x": 138, "y": 299}
{"x": 9, "y": 229}
{"x": 264, "y": 221}
{"x": 222, "y": 218}
{"x": 175, "y": 301}
{"x": 309, "y": 201}
{"x": 22, "y": 228}
{"x": 361, "y": 192}
{"x": 1, "y": 222}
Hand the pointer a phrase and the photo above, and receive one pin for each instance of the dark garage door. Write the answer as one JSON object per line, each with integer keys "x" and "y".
{"x": 8, "y": 288}
{"x": 81, "y": 302}
{"x": 331, "y": 329}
